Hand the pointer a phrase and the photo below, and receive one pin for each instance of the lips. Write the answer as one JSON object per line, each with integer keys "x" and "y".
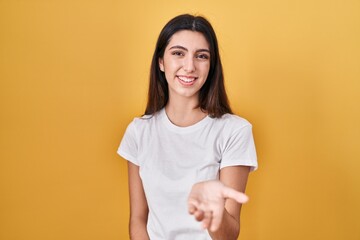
{"x": 187, "y": 80}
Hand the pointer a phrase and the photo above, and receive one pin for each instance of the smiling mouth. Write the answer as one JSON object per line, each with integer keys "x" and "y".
{"x": 187, "y": 80}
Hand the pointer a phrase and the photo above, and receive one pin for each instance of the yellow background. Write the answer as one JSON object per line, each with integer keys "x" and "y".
{"x": 74, "y": 74}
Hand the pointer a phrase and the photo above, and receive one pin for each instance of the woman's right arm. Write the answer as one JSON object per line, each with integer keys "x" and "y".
{"x": 138, "y": 205}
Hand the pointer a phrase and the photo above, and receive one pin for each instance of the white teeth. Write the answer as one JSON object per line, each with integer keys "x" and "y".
{"x": 185, "y": 79}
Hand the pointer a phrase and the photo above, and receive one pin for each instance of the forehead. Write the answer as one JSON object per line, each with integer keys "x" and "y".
{"x": 188, "y": 39}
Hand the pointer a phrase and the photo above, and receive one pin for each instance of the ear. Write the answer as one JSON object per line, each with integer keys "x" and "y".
{"x": 161, "y": 64}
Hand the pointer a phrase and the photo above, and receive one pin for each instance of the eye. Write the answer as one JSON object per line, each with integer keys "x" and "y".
{"x": 203, "y": 56}
{"x": 177, "y": 53}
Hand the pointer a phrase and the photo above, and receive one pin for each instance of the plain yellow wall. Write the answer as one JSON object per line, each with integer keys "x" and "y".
{"x": 74, "y": 73}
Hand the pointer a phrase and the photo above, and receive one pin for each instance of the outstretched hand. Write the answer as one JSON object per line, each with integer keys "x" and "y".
{"x": 207, "y": 202}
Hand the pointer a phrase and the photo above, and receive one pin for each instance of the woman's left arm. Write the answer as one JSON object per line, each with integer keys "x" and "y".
{"x": 235, "y": 178}
{"x": 217, "y": 204}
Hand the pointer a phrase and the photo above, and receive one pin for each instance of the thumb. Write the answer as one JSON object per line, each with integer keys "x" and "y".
{"x": 235, "y": 195}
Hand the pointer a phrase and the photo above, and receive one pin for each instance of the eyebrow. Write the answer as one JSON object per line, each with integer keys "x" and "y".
{"x": 185, "y": 49}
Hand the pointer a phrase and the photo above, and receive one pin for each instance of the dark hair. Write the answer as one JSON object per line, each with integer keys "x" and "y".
{"x": 212, "y": 95}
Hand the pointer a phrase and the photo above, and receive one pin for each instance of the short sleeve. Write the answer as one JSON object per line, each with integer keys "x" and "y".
{"x": 129, "y": 145}
{"x": 240, "y": 149}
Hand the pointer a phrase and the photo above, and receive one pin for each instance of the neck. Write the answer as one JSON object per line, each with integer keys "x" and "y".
{"x": 184, "y": 113}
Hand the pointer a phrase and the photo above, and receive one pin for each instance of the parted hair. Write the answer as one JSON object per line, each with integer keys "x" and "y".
{"x": 212, "y": 95}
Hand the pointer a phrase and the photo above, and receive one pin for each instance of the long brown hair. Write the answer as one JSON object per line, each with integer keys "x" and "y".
{"x": 212, "y": 95}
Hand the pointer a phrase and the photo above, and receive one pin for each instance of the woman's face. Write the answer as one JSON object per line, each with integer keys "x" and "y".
{"x": 186, "y": 63}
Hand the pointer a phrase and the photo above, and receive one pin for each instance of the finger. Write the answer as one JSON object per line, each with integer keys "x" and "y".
{"x": 192, "y": 209}
{"x": 216, "y": 219}
{"x": 192, "y": 206}
{"x": 207, "y": 219}
{"x": 235, "y": 195}
{"x": 199, "y": 215}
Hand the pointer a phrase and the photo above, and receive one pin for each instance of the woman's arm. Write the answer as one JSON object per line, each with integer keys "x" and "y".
{"x": 235, "y": 178}
{"x": 138, "y": 205}
{"x": 218, "y": 203}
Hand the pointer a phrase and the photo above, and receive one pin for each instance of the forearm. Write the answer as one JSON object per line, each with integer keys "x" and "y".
{"x": 228, "y": 230}
{"x": 138, "y": 230}
{"x": 138, "y": 205}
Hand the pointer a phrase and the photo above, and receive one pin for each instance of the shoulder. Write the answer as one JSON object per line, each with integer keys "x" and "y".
{"x": 233, "y": 122}
{"x": 143, "y": 122}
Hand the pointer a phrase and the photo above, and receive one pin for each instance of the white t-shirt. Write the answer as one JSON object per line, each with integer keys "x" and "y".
{"x": 171, "y": 159}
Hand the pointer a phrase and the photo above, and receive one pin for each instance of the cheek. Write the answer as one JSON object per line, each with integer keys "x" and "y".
{"x": 205, "y": 69}
{"x": 167, "y": 76}
{"x": 173, "y": 64}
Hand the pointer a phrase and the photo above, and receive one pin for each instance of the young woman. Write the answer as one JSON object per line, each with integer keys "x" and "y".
{"x": 188, "y": 157}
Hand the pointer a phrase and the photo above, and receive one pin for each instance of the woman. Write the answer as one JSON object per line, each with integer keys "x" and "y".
{"x": 188, "y": 157}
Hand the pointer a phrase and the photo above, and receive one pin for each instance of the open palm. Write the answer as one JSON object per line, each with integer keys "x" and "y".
{"x": 207, "y": 202}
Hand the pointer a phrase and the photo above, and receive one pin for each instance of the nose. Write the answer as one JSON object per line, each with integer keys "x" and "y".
{"x": 189, "y": 64}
